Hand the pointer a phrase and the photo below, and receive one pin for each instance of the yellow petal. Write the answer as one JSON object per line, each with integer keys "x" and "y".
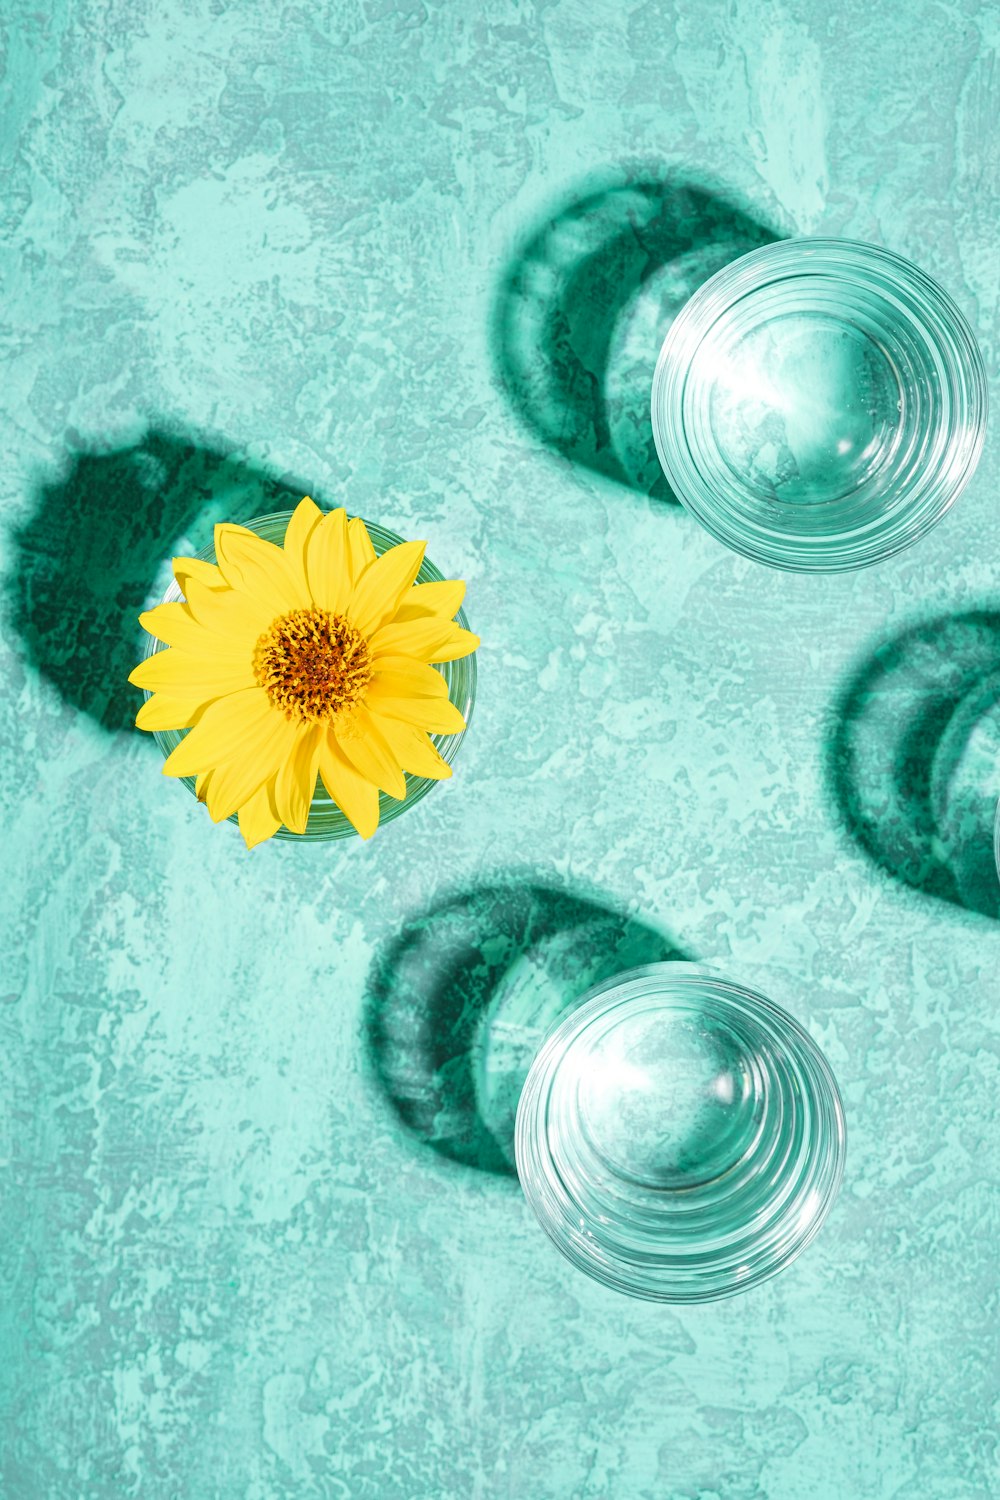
{"x": 195, "y": 569}
{"x": 443, "y": 599}
{"x": 258, "y": 818}
{"x": 226, "y": 611}
{"x": 296, "y": 780}
{"x": 368, "y": 752}
{"x": 436, "y": 715}
{"x": 260, "y": 755}
{"x": 359, "y": 546}
{"x": 356, "y": 797}
{"x": 201, "y": 785}
{"x": 221, "y": 732}
{"x": 327, "y": 563}
{"x": 161, "y": 712}
{"x": 236, "y": 618}
{"x": 462, "y": 643}
{"x": 176, "y": 626}
{"x": 381, "y": 587}
{"x": 305, "y": 518}
{"x": 182, "y": 674}
{"x": 427, "y": 639}
{"x": 398, "y": 676}
{"x": 196, "y": 591}
{"x": 413, "y": 749}
{"x": 257, "y": 568}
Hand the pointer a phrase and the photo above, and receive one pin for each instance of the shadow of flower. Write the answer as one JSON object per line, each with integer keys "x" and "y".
{"x": 913, "y": 757}
{"x": 585, "y": 304}
{"x": 99, "y": 537}
{"x": 458, "y": 1004}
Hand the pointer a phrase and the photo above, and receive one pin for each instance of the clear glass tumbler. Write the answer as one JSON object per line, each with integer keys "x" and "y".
{"x": 679, "y": 1137}
{"x": 819, "y": 404}
{"x": 326, "y": 821}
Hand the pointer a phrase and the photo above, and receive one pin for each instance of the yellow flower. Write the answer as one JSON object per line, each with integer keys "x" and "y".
{"x": 311, "y": 659}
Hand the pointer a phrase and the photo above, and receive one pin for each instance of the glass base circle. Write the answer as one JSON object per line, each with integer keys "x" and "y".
{"x": 326, "y": 821}
{"x": 823, "y": 424}
{"x": 679, "y": 1137}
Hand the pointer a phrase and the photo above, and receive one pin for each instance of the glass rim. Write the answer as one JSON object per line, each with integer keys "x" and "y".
{"x": 941, "y": 325}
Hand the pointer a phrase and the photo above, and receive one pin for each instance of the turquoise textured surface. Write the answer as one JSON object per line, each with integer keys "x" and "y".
{"x": 260, "y": 1234}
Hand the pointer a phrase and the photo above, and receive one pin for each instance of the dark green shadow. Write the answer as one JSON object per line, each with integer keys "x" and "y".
{"x": 458, "y": 1004}
{"x": 586, "y": 302}
{"x": 913, "y": 757}
{"x": 96, "y": 542}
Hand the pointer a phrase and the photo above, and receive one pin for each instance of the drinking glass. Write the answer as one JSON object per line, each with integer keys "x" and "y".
{"x": 819, "y": 404}
{"x": 326, "y": 821}
{"x": 679, "y": 1136}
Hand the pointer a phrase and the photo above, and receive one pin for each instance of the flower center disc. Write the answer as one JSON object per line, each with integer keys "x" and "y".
{"x": 311, "y": 664}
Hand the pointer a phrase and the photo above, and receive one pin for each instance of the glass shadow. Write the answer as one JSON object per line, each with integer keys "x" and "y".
{"x": 89, "y": 555}
{"x": 913, "y": 757}
{"x": 458, "y": 1004}
{"x": 586, "y": 302}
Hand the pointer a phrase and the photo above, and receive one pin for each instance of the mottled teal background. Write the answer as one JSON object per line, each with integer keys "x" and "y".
{"x": 256, "y": 1239}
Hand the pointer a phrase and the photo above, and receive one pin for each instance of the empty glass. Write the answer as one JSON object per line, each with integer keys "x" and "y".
{"x": 819, "y": 404}
{"x": 679, "y": 1137}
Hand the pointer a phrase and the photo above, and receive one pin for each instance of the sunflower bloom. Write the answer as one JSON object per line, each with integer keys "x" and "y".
{"x": 309, "y": 660}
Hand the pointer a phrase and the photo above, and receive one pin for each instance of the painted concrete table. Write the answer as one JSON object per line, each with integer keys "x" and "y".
{"x": 260, "y": 1234}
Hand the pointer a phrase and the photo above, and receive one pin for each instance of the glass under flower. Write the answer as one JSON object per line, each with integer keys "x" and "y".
{"x": 313, "y": 688}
